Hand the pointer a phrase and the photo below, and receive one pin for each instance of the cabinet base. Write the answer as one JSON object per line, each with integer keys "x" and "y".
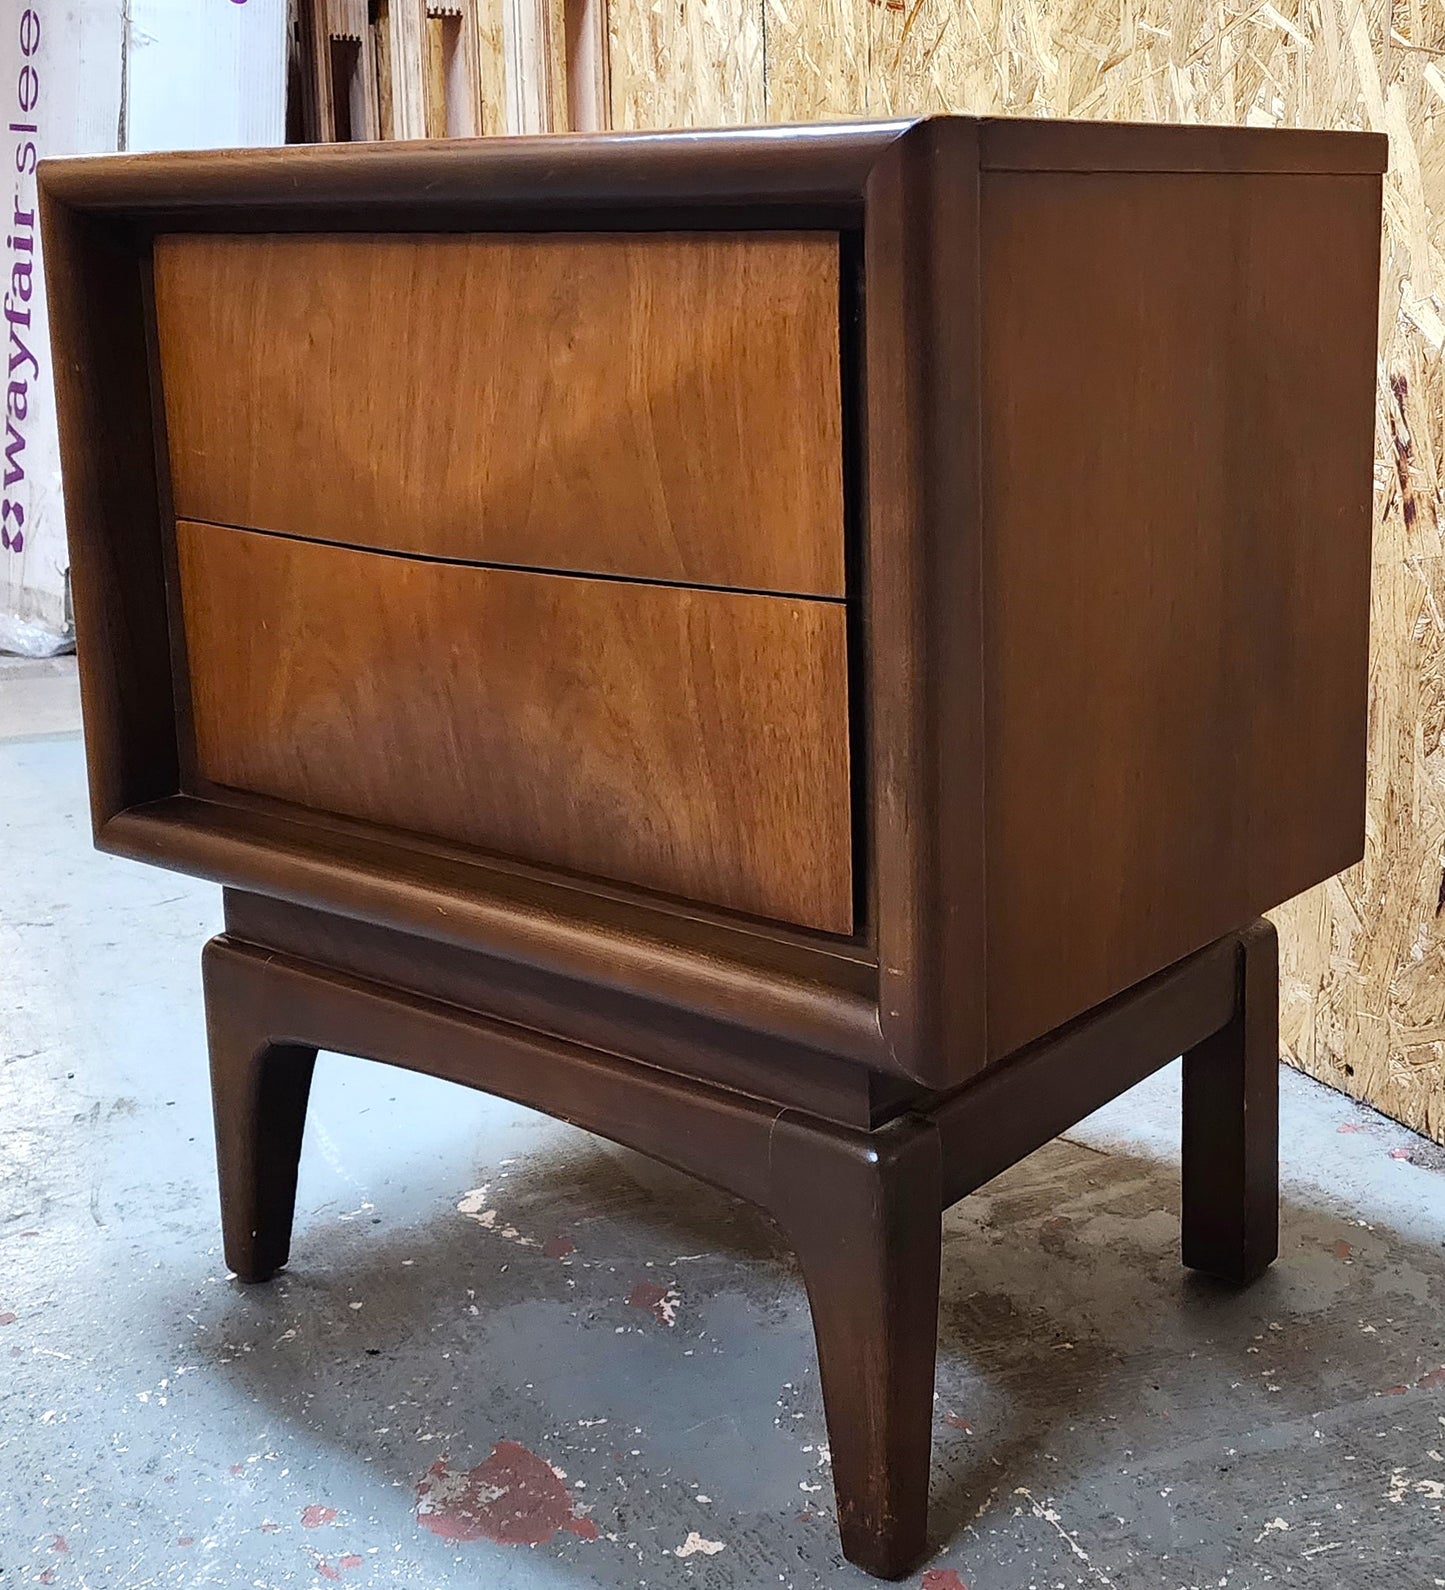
{"x": 861, "y": 1207}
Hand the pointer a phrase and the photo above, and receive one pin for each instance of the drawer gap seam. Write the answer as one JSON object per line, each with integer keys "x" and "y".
{"x": 516, "y": 568}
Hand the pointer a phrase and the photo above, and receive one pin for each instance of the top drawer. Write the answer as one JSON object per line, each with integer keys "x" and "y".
{"x": 653, "y": 405}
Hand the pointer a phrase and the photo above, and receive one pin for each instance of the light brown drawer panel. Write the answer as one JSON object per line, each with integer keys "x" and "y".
{"x": 693, "y": 742}
{"x": 661, "y": 406}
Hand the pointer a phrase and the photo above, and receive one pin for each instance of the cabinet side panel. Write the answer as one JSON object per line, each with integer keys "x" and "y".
{"x": 1178, "y": 397}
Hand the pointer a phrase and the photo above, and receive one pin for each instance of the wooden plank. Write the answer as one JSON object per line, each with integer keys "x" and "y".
{"x": 693, "y": 742}
{"x": 1176, "y": 626}
{"x": 536, "y": 78}
{"x": 452, "y": 89}
{"x": 317, "y": 21}
{"x": 381, "y": 56}
{"x": 687, "y": 65}
{"x": 589, "y": 86}
{"x": 405, "y": 25}
{"x": 672, "y": 409}
{"x": 490, "y": 50}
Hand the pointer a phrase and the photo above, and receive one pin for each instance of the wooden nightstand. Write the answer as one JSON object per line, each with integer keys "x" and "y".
{"x": 804, "y": 651}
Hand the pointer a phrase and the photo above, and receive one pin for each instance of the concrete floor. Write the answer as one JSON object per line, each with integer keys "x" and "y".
{"x": 495, "y": 1326}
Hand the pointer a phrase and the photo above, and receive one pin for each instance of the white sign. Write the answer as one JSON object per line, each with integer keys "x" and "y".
{"x": 88, "y": 77}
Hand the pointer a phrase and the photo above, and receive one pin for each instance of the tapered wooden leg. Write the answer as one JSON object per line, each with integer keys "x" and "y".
{"x": 864, "y": 1217}
{"x": 1231, "y": 1126}
{"x": 259, "y": 1090}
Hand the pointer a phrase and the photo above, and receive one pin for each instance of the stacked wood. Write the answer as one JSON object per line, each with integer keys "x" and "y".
{"x": 450, "y": 68}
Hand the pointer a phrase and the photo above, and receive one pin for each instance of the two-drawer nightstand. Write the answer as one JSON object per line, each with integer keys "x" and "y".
{"x": 804, "y": 651}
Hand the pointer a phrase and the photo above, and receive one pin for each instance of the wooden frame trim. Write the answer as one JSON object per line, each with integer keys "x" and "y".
{"x": 609, "y": 1019}
{"x": 113, "y": 508}
{"x": 984, "y": 1127}
{"x": 1019, "y": 144}
{"x": 110, "y": 209}
{"x": 815, "y": 177}
{"x": 923, "y": 559}
{"x": 525, "y": 180}
{"x": 705, "y": 973}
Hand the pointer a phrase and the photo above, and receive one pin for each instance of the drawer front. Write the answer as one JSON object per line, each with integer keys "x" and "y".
{"x": 693, "y": 742}
{"x": 661, "y": 406}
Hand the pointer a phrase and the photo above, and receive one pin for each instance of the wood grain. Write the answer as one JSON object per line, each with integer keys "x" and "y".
{"x": 693, "y": 742}
{"x": 1177, "y": 579}
{"x": 1160, "y": 363}
{"x": 665, "y": 407}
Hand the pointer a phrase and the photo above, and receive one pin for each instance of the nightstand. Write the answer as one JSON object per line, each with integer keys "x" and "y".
{"x": 805, "y": 651}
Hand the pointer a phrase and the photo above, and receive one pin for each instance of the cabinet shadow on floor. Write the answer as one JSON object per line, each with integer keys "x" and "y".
{"x": 649, "y": 1337}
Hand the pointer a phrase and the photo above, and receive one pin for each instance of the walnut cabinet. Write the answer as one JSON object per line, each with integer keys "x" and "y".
{"x": 805, "y": 651}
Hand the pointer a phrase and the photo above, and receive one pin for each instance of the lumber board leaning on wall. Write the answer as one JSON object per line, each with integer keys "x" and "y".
{"x": 1363, "y": 957}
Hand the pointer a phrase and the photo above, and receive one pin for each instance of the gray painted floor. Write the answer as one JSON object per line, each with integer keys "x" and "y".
{"x": 497, "y": 1326}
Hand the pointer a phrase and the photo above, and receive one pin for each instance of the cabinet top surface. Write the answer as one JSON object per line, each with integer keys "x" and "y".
{"x": 829, "y": 161}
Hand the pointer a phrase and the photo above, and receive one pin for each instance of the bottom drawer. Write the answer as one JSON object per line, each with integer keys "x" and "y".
{"x": 689, "y": 741}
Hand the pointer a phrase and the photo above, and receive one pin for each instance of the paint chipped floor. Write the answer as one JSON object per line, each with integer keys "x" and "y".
{"x": 508, "y": 1355}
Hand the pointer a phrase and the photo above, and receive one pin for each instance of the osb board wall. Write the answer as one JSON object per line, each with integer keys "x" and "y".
{"x": 1364, "y": 981}
{"x": 686, "y": 63}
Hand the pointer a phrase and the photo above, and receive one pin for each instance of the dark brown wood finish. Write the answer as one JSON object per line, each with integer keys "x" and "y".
{"x": 930, "y": 642}
{"x": 859, "y": 1215}
{"x": 1078, "y": 1069}
{"x": 1231, "y": 1125}
{"x": 665, "y": 953}
{"x": 1083, "y": 696}
{"x": 711, "y": 180}
{"x": 1032, "y": 144}
{"x": 112, "y": 501}
{"x": 860, "y": 1208}
{"x": 734, "y": 1052}
{"x": 1176, "y": 587}
{"x": 922, "y": 556}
